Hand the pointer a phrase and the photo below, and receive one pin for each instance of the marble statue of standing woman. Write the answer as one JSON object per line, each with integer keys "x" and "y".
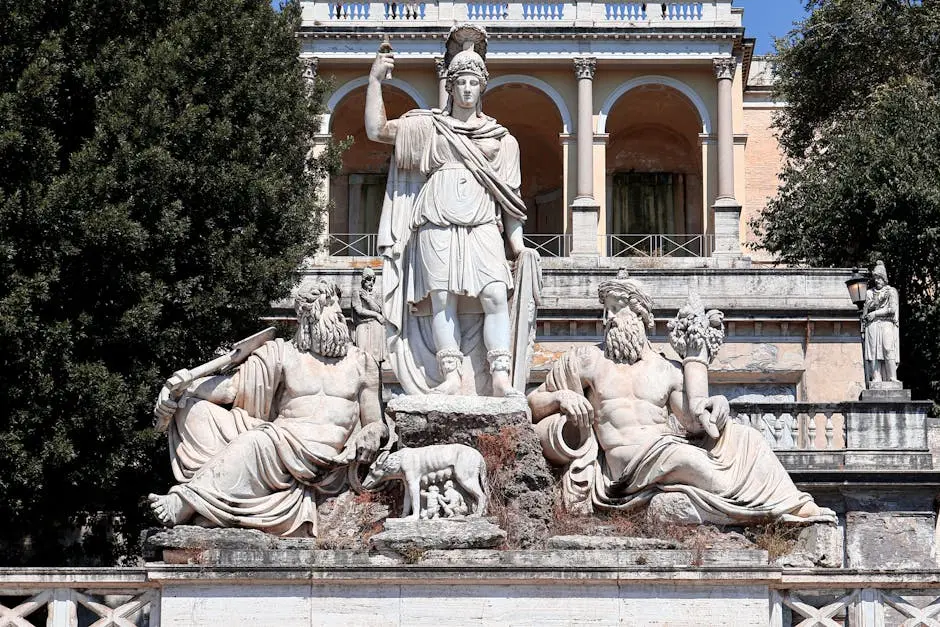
{"x": 368, "y": 318}
{"x": 881, "y": 322}
{"x": 460, "y": 316}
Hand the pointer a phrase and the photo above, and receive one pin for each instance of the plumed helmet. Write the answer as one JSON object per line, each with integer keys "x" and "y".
{"x": 466, "y": 53}
{"x": 880, "y": 271}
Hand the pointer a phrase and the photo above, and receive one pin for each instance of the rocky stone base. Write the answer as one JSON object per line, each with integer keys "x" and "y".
{"x": 817, "y": 546}
{"x": 520, "y": 482}
{"x": 187, "y": 544}
{"x": 409, "y": 537}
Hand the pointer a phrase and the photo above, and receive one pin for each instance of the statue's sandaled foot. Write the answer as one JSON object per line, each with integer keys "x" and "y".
{"x": 502, "y": 386}
{"x": 449, "y": 387}
{"x": 170, "y": 509}
{"x": 449, "y": 360}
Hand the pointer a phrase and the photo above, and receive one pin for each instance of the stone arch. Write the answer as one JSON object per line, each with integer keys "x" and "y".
{"x": 654, "y": 167}
{"x": 357, "y": 190}
{"x": 326, "y": 124}
{"x": 653, "y": 79}
{"x": 529, "y": 114}
{"x": 542, "y": 86}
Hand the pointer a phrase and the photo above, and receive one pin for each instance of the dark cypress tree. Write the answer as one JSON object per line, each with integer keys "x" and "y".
{"x": 156, "y": 194}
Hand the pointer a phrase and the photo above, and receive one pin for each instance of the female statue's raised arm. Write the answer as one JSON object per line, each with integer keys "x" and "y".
{"x": 378, "y": 128}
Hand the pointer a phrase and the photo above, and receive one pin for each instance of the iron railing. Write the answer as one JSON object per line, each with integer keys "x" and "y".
{"x": 353, "y": 245}
{"x": 549, "y": 245}
{"x": 557, "y": 245}
{"x": 660, "y": 245}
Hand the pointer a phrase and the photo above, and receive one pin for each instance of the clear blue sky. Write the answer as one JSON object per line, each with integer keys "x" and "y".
{"x": 766, "y": 19}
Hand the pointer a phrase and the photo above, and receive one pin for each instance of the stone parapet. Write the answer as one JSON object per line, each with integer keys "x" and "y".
{"x": 528, "y": 588}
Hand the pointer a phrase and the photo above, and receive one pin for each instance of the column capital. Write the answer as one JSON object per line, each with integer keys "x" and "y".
{"x": 310, "y": 65}
{"x": 441, "y": 67}
{"x": 724, "y": 67}
{"x": 584, "y": 67}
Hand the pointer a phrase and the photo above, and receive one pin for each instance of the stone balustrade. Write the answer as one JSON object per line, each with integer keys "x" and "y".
{"x": 532, "y": 13}
{"x": 796, "y": 426}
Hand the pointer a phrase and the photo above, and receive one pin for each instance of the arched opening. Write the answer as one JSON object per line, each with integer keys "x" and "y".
{"x": 654, "y": 174}
{"x": 534, "y": 120}
{"x": 358, "y": 189}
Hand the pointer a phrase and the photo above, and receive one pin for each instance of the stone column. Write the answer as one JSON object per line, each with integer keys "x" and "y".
{"x": 311, "y": 66}
{"x": 727, "y": 208}
{"x": 441, "y": 81}
{"x": 585, "y": 208}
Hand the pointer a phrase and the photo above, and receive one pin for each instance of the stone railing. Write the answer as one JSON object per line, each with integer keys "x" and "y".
{"x": 73, "y": 597}
{"x": 528, "y": 12}
{"x": 796, "y": 426}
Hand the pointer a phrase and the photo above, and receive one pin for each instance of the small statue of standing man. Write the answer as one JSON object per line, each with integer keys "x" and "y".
{"x": 368, "y": 318}
{"x": 880, "y": 323}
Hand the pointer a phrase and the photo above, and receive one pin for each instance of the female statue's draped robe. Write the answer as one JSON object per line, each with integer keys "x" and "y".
{"x": 441, "y": 229}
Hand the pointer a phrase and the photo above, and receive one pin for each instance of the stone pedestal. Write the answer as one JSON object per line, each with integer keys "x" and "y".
{"x": 895, "y": 426}
{"x": 885, "y": 391}
{"x": 727, "y": 227}
{"x": 520, "y": 482}
{"x": 405, "y": 536}
{"x": 584, "y": 218}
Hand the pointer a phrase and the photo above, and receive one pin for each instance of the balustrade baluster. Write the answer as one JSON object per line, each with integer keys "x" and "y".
{"x": 829, "y": 430}
{"x": 812, "y": 432}
{"x": 784, "y": 438}
{"x": 795, "y": 430}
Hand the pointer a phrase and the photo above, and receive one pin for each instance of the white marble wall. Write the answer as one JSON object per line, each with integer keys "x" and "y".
{"x": 439, "y": 605}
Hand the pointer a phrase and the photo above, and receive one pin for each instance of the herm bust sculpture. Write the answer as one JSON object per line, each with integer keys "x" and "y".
{"x": 452, "y": 196}
{"x": 880, "y": 323}
{"x": 605, "y": 415}
{"x": 255, "y": 448}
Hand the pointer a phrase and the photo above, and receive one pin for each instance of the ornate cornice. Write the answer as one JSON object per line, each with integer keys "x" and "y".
{"x": 584, "y": 67}
{"x": 724, "y": 67}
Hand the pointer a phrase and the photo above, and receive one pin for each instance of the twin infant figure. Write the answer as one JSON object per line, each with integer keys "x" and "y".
{"x": 447, "y": 505}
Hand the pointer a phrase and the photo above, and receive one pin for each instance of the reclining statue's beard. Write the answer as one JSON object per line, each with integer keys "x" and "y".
{"x": 625, "y": 337}
{"x": 327, "y": 336}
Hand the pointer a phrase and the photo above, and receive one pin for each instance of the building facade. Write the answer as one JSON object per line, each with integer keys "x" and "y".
{"x": 646, "y": 142}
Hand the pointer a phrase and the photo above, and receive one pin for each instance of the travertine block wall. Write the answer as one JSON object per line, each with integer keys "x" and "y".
{"x": 432, "y": 605}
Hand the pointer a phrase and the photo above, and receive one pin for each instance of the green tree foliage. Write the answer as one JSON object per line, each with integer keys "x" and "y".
{"x": 861, "y": 136}
{"x": 155, "y": 196}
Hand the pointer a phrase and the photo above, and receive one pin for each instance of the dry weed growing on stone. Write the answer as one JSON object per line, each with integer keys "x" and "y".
{"x": 499, "y": 453}
{"x": 776, "y": 538}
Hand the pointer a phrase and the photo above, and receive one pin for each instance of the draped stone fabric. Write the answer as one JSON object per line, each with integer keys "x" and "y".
{"x": 441, "y": 229}
{"x": 744, "y": 480}
{"x": 370, "y": 333}
{"x": 245, "y": 467}
{"x": 881, "y": 334}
